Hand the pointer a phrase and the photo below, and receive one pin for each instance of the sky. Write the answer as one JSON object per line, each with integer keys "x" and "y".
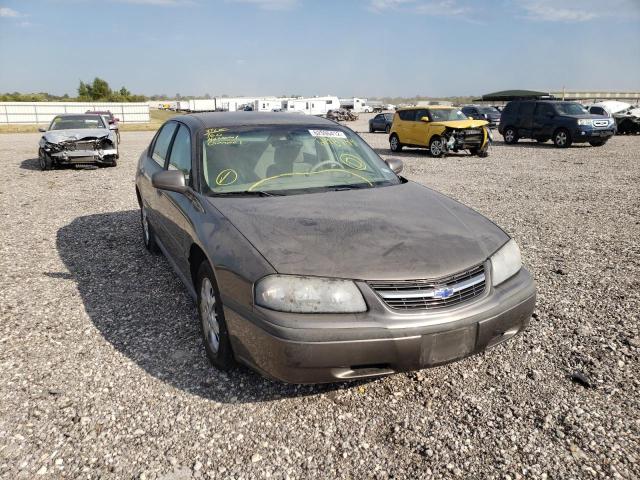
{"x": 311, "y": 47}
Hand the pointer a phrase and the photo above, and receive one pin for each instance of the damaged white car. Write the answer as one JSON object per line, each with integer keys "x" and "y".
{"x": 78, "y": 140}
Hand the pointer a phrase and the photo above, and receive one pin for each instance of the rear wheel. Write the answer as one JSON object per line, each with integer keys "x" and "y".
{"x": 148, "y": 236}
{"x": 371, "y": 128}
{"x": 436, "y": 147}
{"x": 510, "y": 135}
{"x": 214, "y": 328}
{"x": 387, "y": 129}
{"x": 394, "y": 143}
{"x": 562, "y": 139}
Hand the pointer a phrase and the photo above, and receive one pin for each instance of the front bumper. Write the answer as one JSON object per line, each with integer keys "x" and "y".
{"x": 380, "y": 341}
{"x": 586, "y": 134}
{"x": 68, "y": 157}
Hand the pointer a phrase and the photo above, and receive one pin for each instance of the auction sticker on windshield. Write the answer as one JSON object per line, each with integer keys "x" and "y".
{"x": 327, "y": 133}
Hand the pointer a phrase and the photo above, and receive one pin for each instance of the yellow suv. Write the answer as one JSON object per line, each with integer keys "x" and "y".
{"x": 440, "y": 129}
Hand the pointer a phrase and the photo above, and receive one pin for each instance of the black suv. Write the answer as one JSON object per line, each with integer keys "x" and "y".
{"x": 481, "y": 112}
{"x": 563, "y": 122}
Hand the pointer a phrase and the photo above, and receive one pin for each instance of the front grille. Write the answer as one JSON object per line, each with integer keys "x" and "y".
{"x": 600, "y": 123}
{"x": 432, "y": 294}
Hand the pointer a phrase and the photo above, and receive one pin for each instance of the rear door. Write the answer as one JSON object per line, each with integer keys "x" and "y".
{"x": 525, "y": 119}
{"x": 154, "y": 161}
{"x": 543, "y": 121}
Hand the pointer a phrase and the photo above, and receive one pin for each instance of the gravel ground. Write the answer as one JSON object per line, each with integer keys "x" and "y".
{"x": 102, "y": 372}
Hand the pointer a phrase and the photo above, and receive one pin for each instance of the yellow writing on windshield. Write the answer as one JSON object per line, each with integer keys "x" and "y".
{"x": 226, "y": 177}
{"x": 353, "y": 161}
{"x": 216, "y": 136}
{"x": 336, "y": 141}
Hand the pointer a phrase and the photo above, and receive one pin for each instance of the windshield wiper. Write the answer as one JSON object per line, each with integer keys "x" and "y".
{"x": 353, "y": 186}
{"x": 247, "y": 193}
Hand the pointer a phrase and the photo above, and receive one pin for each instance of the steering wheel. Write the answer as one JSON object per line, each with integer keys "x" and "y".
{"x": 326, "y": 162}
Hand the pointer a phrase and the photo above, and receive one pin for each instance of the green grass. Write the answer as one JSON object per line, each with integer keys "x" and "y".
{"x": 157, "y": 118}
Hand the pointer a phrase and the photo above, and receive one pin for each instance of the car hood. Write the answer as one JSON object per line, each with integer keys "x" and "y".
{"x": 461, "y": 123}
{"x": 405, "y": 231}
{"x": 57, "y": 136}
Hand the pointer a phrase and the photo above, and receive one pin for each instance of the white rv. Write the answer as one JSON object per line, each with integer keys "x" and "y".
{"x": 355, "y": 104}
{"x": 313, "y": 105}
{"x": 268, "y": 105}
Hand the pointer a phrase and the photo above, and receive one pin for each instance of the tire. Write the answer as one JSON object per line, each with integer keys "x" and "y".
{"x": 394, "y": 143}
{"x": 215, "y": 335}
{"x": 387, "y": 129}
{"x": 148, "y": 236}
{"x": 118, "y": 136}
{"x": 480, "y": 153}
{"x": 510, "y": 135}
{"x": 436, "y": 146}
{"x": 44, "y": 160}
{"x": 371, "y": 130}
{"x": 562, "y": 138}
{"x": 597, "y": 143}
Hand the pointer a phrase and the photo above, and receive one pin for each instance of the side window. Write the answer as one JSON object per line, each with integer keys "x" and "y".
{"x": 526, "y": 108}
{"x": 420, "y": 114}
{"x": 544, "y": 109}
{"x": 161, "y": 147}
{"x": 180, "y": 158}
{"x": 407, "y": 115}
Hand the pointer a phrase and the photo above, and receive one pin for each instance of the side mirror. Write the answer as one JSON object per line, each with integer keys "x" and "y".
{"x": 395, "y": 164}
{"x": 171, "y": 180}
{"x": 424, "y": 119}
{"x": 42, "y": 129}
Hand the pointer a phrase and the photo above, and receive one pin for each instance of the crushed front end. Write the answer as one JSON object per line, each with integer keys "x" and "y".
{"x": 474, "y": 139}
{"x": 80, "y": 151}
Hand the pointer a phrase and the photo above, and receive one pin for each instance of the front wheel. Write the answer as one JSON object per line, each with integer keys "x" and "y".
{"x": 44, "y": 160}
{"x": 214, "y": 328}
{"x": 510, "y": 135}
{"x": 436, "y": 147}
{"x": 597, "y": 143}
{"x": 480, "y": 153}
{"x": 394, "y": 143}
{"x": 562, "y": 139}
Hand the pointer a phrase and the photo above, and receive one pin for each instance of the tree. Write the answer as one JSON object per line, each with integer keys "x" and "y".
{"x": 100, "y": 89}
{"x": 83, "y": 91}
{"x": 124, "y": 92}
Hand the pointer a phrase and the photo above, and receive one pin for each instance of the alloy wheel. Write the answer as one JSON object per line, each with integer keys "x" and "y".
{"x": 394, "y": 143}
{"x": 145, "y": 226}
{"x": 509, "y": 135}
{"x": 210, "y": 324}
{"x": 561, "y": 139}
{"x": 436, "y": 148}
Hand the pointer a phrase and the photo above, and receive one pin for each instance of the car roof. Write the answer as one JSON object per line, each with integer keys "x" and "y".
{"x": 426, "y": 106}
{"x": 242, "y": 119}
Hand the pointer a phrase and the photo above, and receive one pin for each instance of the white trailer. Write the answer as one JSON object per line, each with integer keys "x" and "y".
{"x": 202, "y": 105}
{"x": 268, "y": 105}
{"x": 355, "y": 104}
{"x": 182, "y": 105}
{"x": 313, "y": 105}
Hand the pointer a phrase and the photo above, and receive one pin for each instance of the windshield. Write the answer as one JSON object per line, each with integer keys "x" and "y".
{"x": 446, "y": 114}
{"x": 571, "y": 109}
{"x": 77, "y": 121}
{"x": 286, "y": 159}
{"x": 489, "y": 110}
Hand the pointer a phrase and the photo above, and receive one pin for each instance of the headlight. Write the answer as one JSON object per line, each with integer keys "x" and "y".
{"x": 585, "y": 121}
{"x": 505, "y": 263}
{"x": 290, "y": 293}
